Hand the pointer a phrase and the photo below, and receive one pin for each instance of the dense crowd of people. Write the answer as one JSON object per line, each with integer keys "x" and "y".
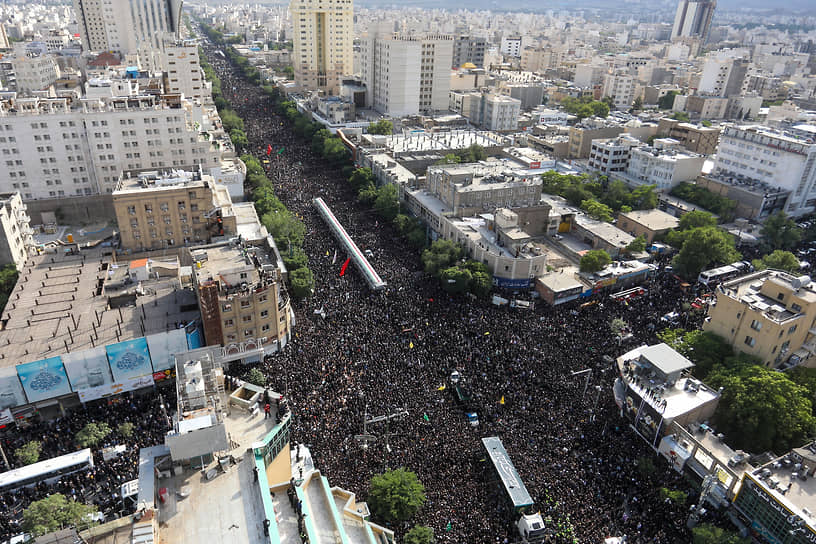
{"x": 359, "y": 354}
{"x": 101, "y": 484}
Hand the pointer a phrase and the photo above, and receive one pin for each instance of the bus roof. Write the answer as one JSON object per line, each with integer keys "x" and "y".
{"x": 48, "y": 466}
{"x": 507, "y": 472}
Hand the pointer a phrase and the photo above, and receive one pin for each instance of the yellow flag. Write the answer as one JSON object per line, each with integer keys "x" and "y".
{"x": 327, "y": 253}
{"x": 502, "y": 400}
{"x": 411, "y": 345}
{"x": 487, "y": 333}
{"x": 440, "y": 388}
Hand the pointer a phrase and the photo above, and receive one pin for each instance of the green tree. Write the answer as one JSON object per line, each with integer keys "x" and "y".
{"x": 318, "y": 140}
{"x": 8, "y": 278}
{"x": 637, "y": 105}
{"x": 450, "y": 158}
{"x": 674, "y": 495}
{"x": 456, "y": 279}
{"x": 666, "y": 102}
{"x": 599, "y": 109}
{"x": 29, "y": 452}
{"x": 297, "y": 259}
{"x": 707, "y": 533}
{"x": 779, "y": 260}
{"x": 54, "y": 513}
{"x": 302, "y": 282}
{"x": 780, "y": 232}
{"x": 289, "y": 72}
{"x": 704, "y": 246}
{"x": 255, "y": 377}
{"x": 441, "y": 255}
{"x": 637, "y": 245}
{"x": 92, "y": 434}
{"x": 761, "y": 409}
{"x": 284, "y": 227}
{"x": 597, "y": 210}
{"x": 696, "y": 218}
{"x": 387, "y": 202}
{"x": 368, "y": 195}
{"x": 419, "y": 534}
{"x": 481, "y": 283}
{"x": 680, "y": 116}
{"x": 594, "y": 260}
{"x": 383, "y": 126}
{"x": 473, "y": 153}
{"x": 239, "y": 140}
{"x": 361, "y": 179}
{"x": 126, "y": 429}
{"x": 396, "y": 495}
{"x": 705, "y": 349}
{"x": 643, "y": 197}
{"x": 334, "y": 151}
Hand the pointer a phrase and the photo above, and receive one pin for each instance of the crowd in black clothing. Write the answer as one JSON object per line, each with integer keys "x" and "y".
{"x": 377, "y": 353}
{"x": 100, "y": 485}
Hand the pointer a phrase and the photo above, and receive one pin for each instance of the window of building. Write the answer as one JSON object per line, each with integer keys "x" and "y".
{"x": 228, "y": 322}
{"x": 792, "y": 329}
{"x": 750, "y": 341}
{"x": 226, "y": 307}
{"x": 756, "y": 325}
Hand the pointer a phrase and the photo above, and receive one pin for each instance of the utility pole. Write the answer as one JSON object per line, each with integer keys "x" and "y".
{"x": 588, "y": 372}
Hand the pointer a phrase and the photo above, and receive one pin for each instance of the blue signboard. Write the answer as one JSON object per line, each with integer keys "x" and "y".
{"x": 129, "y": 359}
{"x": 44, "y": 379}
{"x": 507, "y": 283}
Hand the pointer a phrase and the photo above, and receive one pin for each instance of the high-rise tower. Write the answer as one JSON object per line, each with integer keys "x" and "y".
{"x": 323, "y": 35}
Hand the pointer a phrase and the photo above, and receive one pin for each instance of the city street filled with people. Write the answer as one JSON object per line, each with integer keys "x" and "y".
{"x": 358, "y": 354}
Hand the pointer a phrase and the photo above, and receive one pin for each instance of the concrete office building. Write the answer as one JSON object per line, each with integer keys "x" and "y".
{"x": 697, "y": 139}
{"x": 322, "y": 36}
{"x": 621, "y": 88}
{"x": 35, "y": 73}
{"x": 693, "y": 19}
{"x": 511, "y": 46}
{"x": 769, "y": 315}
{"x": 723, "y": 75}
{"x": 183, "y": 72}
{"x": 664, "y": 168}
{"x": 57, "y": 147}
{"x": 468, "y": 49}
{"x": 15, "y": 230}
{"x": 126, "y": 26}
{"x": 756, "y": 156}
{"x": 406, "y": 74}
{"x": 611, "y": 156}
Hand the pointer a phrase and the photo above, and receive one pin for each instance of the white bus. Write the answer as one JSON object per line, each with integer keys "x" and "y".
{"x": 48, "y": 471}
{"x": 712, "y": 277}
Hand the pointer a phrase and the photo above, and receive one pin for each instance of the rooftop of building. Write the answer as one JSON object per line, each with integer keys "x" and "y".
{"x": 237, "y": 265}
{"x": 653, "y": 219}
{"x": 681, "y": 396}
{"x": 435, "y": 141}
{"x": 789, "y": 480}
{"x": 748, "y": 289}
{"x": 62, "y": 303}
{"x": 156, "y": 180}
{"x": 776, "y": 134}
{"x": 11, "y": 105}
{"x": 743, "y": 182}
{"x": 607, "y": 232}
{"x": 490, "y": 174}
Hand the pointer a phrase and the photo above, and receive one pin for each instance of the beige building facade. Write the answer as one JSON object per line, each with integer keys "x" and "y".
{"x": 323, "y": 38}
{"x": 768, "y": 314}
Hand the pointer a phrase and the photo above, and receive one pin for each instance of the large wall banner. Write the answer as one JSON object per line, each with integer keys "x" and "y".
{"x": 111, "y": 389}
{"x": 44, "y": 379}
{"x": 11, "y": 392}
{"x": 129, "y": 359}
{"x": 87, "y": 368}
{"x": 165, "y": 344}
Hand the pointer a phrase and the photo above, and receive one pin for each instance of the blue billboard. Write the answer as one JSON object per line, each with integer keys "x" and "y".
{"x": 44, "y": 379}
{"x": 129, "y": 359}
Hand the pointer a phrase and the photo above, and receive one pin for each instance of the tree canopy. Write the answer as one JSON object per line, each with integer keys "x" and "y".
{"x": 615, "y": 194}
{"x": 54, "y": 513}
{"x": 594, "y": 260}
{"x": 419, "y": 534}
{"x": 718, "y": 204}
{"x": 585, "y": 107}
{"x": 92, "y": 434}
{"x": 779, "y": 260}
{"x": 761, "y": 409}
{"x": 702, "y": 247}
{"x": 706, "y": 533}
{"x": 29, "y": 452}
{"x": 383, "y": 126}
{"x": 441, "y": 255}
{"x": 396, "y": 495}
{"x": 780, "y": 232}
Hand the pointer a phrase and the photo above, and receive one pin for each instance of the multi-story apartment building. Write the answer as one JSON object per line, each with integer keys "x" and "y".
{"x": 611, "y": 156}
{"x": 693, "y": 19}
{"x": 582, "y": 135}
{"x": 768, "y": 314}
{"x": 35, "y": 73}
{"x": 468, "y": 49}
{"x": 406, "y": 74}
{"x": 622, "y": 88}
{"x": 323, "y": 39}
{"x": 500, "y": 112}
{"x": 156, "y": 211}
{"x": 53, "y": 148}
{"x": 15, "y": 230}
{"x": 664, "y": 168}
{"x": 126, "y": 26}
{"x": 697, "y": 139}
{"x": 241, "y": 295}
{"x": 723, "y": 75}
{"x": 183, "y": 72}
{"x": 511, "y": 46}
{"x": 756, "y": 156}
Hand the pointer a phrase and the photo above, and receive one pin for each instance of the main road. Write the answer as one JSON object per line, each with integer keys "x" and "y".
{"x": 378, "y": 353}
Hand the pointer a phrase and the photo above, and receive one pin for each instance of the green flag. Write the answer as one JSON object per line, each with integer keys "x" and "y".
{"x": 425, "y": 417}
{"x": 448, "y": 527}
{"x": 281, "y": 150}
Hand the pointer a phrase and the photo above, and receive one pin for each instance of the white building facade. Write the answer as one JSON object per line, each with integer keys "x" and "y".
{"x": 49, "y": 149}
{"x": 323, "y": 34}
